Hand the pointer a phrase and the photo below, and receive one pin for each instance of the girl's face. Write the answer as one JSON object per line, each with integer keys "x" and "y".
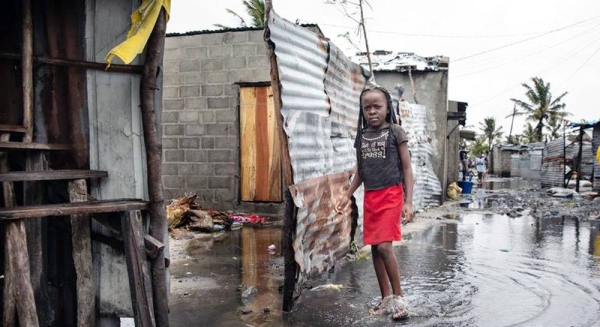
{"x": 374, "y": 107}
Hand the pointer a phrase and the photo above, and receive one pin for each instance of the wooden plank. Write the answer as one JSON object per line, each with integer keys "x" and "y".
{"x": 34, "y": 146}
{"x": 259, "y": 145}
{"x": 274, "y": 168}
{"x": 12, "y": 128}
{"x": 133, "y": 239}
{"x": 82, "y": 257}
{"x": 117, "y": 68}
{"x": 247, "y": 143}
{"x": 153, "y": 246}
{"x": 67, "y": 209}
{"x": 51, "y": 175}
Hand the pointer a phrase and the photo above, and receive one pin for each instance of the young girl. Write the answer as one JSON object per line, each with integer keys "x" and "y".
{"x": 383, "y": 164}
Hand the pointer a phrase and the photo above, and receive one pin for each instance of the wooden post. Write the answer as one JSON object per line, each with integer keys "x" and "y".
{"x": 82, "y": 257}
{"x": 27, "y": 71}
{"x": 135, "y": 255}
{"x": 18, "y": 293}
{"x": 158, "y": 221}
{"x": 289, "y": 219}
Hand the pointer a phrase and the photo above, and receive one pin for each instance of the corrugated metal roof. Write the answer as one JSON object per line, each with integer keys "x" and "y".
{"x": 401, "y": 61}
{"x": 232, "y": 29}
{"x": 319, "y": 90}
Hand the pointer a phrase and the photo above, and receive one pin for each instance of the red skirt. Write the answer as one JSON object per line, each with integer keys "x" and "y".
{"x": 382, "y": 215}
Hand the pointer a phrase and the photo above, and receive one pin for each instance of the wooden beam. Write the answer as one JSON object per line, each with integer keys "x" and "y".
{"x": 115, "y": 68}
{"x": 34, "y": 146}
{"x": 18, "y": 292}
{"x": 82, "y": 257}
{"x": 135, "y": 257}
{"x": 158, "y": 221}
{"x": 67, "y": 209}
{"x": 12, "y": 128}
{"x": 51, "y": 175}
{"x": 27, "y": 71}
{"x": 153, "y": 246}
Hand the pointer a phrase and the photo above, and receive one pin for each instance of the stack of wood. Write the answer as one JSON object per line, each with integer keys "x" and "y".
{"x": 185, "y": 213}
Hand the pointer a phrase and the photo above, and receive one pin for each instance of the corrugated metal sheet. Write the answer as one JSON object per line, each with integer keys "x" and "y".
{"x": 427, "y": 189}
{"x": 325, "y": 233}
{"x": 553, "y": 170}
{"x": 595, "y": 145}
{"x": 319, "y": 90}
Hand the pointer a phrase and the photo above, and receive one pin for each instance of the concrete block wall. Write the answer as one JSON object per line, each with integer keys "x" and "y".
{"x": 200, "y": 135}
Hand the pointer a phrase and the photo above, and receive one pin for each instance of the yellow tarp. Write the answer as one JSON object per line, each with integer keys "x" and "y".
{"x": 143, "y": 20}
{"x": 598, "y": 155}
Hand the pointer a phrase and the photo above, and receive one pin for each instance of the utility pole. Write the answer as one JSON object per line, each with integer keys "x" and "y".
{"x": 511, "y": 123}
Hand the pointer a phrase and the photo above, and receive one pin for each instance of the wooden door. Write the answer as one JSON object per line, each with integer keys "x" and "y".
{"x": 260, "y": 147}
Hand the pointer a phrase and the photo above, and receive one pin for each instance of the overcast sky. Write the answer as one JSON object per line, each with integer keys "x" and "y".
{"x": 493, "y": 46}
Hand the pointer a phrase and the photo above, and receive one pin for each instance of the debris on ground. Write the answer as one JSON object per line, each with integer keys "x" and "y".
{"x": 186, "y": 213}
{"x": 453, "y": 191}
{"x": 328, "y": 287}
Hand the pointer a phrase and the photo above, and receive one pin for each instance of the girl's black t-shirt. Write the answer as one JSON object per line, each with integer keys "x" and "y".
{"x": 379, "y": 163}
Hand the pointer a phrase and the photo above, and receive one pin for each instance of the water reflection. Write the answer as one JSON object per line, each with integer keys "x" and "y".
{"x": 481, "y": 270}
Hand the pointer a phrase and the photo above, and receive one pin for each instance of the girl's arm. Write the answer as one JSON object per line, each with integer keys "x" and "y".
{"x": 344, "y": 199}
{"x": 407, "y": 211}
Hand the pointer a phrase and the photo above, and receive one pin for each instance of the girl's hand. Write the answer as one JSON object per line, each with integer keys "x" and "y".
{"x": 342, "y": 203}
{"x": 407, "y": 213}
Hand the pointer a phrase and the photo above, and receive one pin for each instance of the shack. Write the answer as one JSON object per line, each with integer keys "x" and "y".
{"x": 83, "y": 213}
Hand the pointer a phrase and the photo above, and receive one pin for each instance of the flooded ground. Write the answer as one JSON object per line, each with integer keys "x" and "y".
{"x": 476, "y": 269}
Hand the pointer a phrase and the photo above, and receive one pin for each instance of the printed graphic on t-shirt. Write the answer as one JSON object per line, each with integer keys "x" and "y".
{"x": 375, "y": 147}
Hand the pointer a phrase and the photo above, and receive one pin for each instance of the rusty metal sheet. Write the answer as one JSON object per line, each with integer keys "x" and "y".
{"x": 325, "y": 233}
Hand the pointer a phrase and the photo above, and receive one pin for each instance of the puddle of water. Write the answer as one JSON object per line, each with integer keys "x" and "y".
{"x": 481, "y": 270}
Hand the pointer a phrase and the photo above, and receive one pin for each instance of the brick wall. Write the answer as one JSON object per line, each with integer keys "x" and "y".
{"x": 200, "y": 111}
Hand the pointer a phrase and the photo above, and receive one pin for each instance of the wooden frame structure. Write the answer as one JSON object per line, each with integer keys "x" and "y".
{"x": 146, "y": 263}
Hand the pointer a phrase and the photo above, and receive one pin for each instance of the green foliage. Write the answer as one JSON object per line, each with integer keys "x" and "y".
{"x": 478, "y": 146}
{"x": 488, "y": 127}
{"x": 514, "y": 139}
{"x": 255, "y": 9}
{"x": 529, "y": 134}
{"x": 540, "y": 107}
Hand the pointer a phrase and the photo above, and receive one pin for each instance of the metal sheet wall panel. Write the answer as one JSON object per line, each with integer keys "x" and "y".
{"x": 319, "y": 90}
{"x": 427, "y": 190}
{"x": 553, "y": 170}
{"x": 595, "y": 145}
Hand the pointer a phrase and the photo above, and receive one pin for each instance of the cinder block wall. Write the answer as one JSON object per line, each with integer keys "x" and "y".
{"x": 200, "y": 112}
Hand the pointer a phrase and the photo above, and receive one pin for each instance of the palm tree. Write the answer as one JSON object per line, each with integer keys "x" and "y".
{"x": 555, "y": 125}
{"x": 489, "y": 130}
{"x": 514, "y": 139}
{"x": 529, "y": 134}
{"x": 540, "y": 108}
{"x": 255, "y": 9}
{"x": 478, "y": 146}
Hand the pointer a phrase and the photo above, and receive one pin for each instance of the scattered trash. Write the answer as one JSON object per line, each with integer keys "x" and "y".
{"x": 328, "y": 287}
{"x": 246, "y": 311}
{"x": 453, "y": 191}
{"x": 271, "y": 248}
